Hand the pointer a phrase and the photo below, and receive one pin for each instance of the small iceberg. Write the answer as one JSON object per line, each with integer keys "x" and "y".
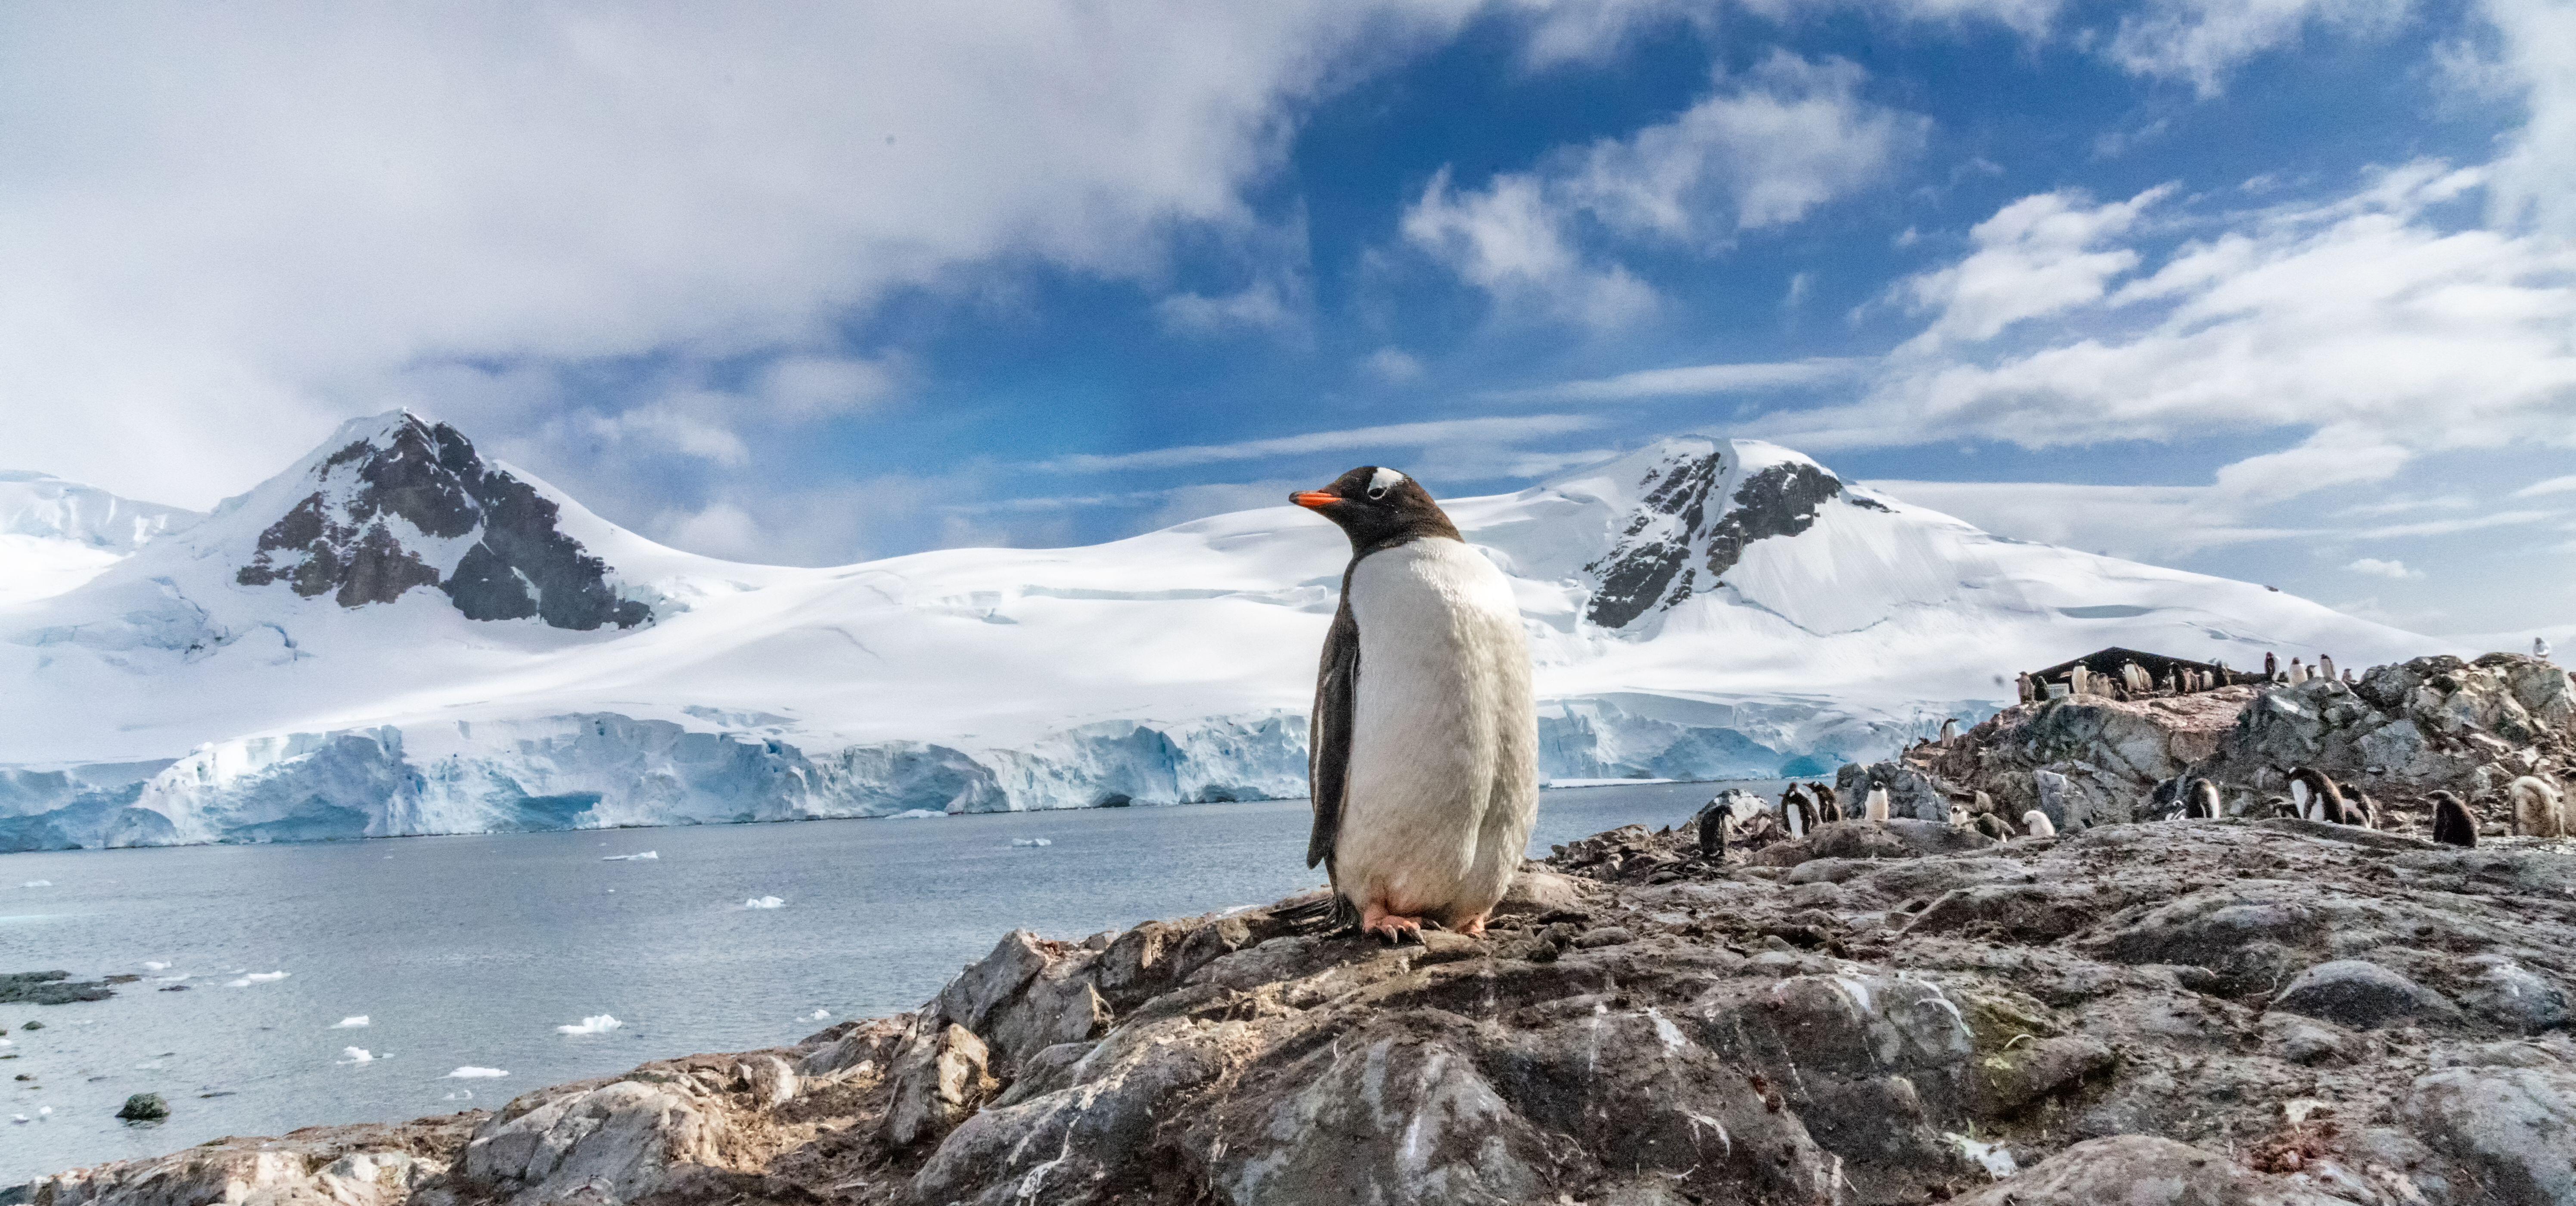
{"x": 597, "y": 1023}
{"x": 818, "y": 1015}
{"x": 917, "y": 814}
{"x": 351, "y": 1022}
{"x": 470, "y": 1072}
{"x": 1025, "y": 843}
{"x": 356, "y": 1055}
{"x": 37, "y": 883}
{"x": 764, "y": 902}
{"x": 647, "y": 856}
{"x": 460, "y": 1095}
{"x": 257, "y": 978}
{"x": 152, "y": 966}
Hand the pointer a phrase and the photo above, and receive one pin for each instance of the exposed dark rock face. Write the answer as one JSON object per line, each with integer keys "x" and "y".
{"x": 49, "y": 988}
{"x": 1874, "y": 1015}
{"x": 431, "y": 478}
{"x": 1679, "y": 528}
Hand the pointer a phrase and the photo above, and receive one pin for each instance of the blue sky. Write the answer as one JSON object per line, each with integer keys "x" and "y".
{"x": 2276, "y": 289}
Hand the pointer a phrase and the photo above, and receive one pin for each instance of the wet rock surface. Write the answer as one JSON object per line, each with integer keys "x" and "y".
{"x": 2188, "y": 1012}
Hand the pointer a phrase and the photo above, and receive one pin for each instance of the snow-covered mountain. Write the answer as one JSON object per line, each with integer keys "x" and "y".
{"x": 55, "y": 535}
{"x": 399, "y": 635}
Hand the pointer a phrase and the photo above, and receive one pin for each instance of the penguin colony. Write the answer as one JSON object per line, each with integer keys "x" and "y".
{"x": 1424, "y": 753}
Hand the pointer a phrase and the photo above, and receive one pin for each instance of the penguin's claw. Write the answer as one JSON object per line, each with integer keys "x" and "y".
{"x": 1392, "y": 929}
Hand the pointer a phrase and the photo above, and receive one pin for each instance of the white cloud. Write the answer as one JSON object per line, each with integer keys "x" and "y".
{"x": 1502, "y": 430}
{"x": 2202, "y": 40}
{"x": 2383, "y": 569}
{"x": 813, "y": 386}
{"x": 2555, "y": 485}
{"x": 2539, "y": 55}
{"x": 1696, "y": 381}
{"x": 1395, "y": 366}
{"x": 672, "y": 427}
{"x": 2360, "y": 321}
{"x": 2037, "y": 256}
{"x": 1761, "y": 150}
{"x": 224, "y": 228}
{"x": 719, "y": 530}
{"x": 1509, "y": 240}
{"x": 1258, "y": 306}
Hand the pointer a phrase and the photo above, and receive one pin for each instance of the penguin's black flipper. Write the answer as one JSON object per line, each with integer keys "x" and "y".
{"x": 1328, "y": 760}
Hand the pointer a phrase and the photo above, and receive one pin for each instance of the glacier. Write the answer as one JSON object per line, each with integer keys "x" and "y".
{"x": 322, "y": 658}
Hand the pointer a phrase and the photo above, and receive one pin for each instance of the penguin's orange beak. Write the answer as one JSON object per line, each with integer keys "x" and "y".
{"x": 1314, "y": 498}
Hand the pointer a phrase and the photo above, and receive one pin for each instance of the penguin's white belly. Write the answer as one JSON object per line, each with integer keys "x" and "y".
{"x": 1443, "y": 784}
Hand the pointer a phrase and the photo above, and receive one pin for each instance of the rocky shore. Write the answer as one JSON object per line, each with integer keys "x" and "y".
{"x": 2186, "y": 1012}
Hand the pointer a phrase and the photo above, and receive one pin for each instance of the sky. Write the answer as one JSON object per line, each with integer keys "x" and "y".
{"x": 2283, "y": 290}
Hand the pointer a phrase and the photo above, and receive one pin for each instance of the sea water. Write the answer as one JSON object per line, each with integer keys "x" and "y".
{"x": 349, "y": 981}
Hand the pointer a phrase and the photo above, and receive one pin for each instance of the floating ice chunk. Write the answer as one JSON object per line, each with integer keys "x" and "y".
{"x": 1032, "y": 842}
{"x": 917, "y": 814}
{"x": 647, "y": 856}
{"x": 470, "y": 1072}
{"x": 20, "y": 1119}
{"x": 7, "y": 1043}
{"x": 152, "y": 966}
{"x": 351, "y": 1022}
{"x": 460, "y": 1095}
{"x": 764, "y": 902}
{"x": 356, "y": 1055}
{"x": 44, "y": 1111}
{"x": 37, "y": 883}
{"x": 597, "y": 1023}
{"x": 258, "y": 978}
{"x": 819, "y": 1015}
{"x": 172, "y": 979}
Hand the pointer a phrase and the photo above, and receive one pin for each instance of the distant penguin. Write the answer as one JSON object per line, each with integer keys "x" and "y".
{"x": 1949, "y": 731}
{"x": 1993, "y": 826}
{"x": 2316, "y": 795}
{"x": 2200, "y": 801}
{"x": 2348, "y": 679}
{"x": 1794, "y": 814}
{"x": 1828, "y": 809}
{"x": 1874, "y": 806}
{"x": 2024, "y": 689}
{"x": 1959, "y": 815}
{"x": 2325, "y": 665}
{"x": 2298, "y": 672}
{"x": 1985, "y": 804}
{"x": 2035, "y": 823}
{"x": 2452, "y": 824}
{"x": 2080, "y": 681}
{"x": 1424, "y": 764}
{"x": 2271, "y": 665}
{"x": 1714, "y": 819}
{"x": 2164, "y": 800}
{"x": 2539, "y": 809}
{"x": 2540, "y": 646}
{"x": 2281, "y": 806}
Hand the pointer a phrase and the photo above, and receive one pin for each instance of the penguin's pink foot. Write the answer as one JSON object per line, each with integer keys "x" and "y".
{"x": 1391, "y": 928}
{"x": 1473, "y": 927}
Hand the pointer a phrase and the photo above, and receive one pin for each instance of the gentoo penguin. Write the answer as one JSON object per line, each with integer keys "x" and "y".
{"x": 2325, "y": 665}
{"x": 1425, "y": 732}
{"x": 2540, "y": 646}
{"x": 2200, "y": 800}
{"x": 1712, "y": 823}
{"x": 1874, "y": 806}
{"x": 1828, "y": 809}
{"x": 2024, "y": 689}
{"x": 1794, "y": 815}
{"x": 2080, "y": 680}
{"x": 2452, "y": 824}
{"x": 2271, "y": 664}
{"x": 2035, "y": 823}
{"x": 2316, "y": 795}
{"x": 2298, "y": 672}
{"x": 2348, "y": 679}
{"x": 1949, "y": 731}
{"x": 1984, "y": 805}
{"x": 1959, "y": 817}
{"x": 2538, "y": 810}
{"x": 1994, "y": 827}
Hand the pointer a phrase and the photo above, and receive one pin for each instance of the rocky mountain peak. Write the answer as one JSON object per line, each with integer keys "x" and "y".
{"x": 398, "y": 503}
{"x": 1698, "y": 505}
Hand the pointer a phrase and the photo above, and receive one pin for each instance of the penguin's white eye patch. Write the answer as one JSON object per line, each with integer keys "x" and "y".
{"x": 1382, "y": 481}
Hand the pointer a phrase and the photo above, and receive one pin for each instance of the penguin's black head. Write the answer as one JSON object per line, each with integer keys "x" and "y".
{"x": 1378, "y": 508}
